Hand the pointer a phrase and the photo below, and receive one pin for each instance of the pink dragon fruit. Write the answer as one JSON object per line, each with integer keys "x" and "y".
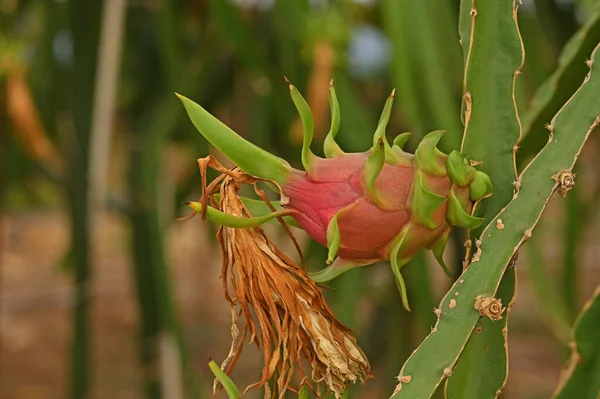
{"x": 383, "y": 204}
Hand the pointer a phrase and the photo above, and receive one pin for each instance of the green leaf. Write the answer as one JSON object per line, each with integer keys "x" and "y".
{"x": 435, "y": 358}
{"x": 581, "y": 379}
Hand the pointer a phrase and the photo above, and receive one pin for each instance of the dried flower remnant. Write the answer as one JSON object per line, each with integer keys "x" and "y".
{"x": 284, "y": 311}
{"x": 381, "y": 204}
{"x": 489, "y": 307}
{"x": 565, "y": 180}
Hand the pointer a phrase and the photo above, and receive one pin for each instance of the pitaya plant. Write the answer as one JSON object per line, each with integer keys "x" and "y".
{"x": 382, "y": 204}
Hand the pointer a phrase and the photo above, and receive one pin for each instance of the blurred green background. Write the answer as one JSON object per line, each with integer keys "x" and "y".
{"x": 103, "y": 294}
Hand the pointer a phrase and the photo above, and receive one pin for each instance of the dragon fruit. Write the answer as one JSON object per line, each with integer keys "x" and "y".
{"x": 383, "y": 204}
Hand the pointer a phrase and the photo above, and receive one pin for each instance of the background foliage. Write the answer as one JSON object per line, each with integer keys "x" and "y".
{"x": 97, "y": 156}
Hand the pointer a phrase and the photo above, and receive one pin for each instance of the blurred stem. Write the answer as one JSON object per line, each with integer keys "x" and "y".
{"x": 85, "y": 28}
{"x": 160, "y": 326}
{"x": 559, "y": 22}
{"x": 575, "y": 214}
{"x": 113, "y": 21}
{"x": 420, "y": 289}
{"x": 169, "y": 45}
{"x": 551, "y": 305}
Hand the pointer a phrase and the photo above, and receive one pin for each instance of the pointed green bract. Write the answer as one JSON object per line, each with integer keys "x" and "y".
{"x": 330, "y": 147}
{"x": 308, "y": 127}
{"x": 424, "y": 202}
{"x": 232, "y": 391}
{"x": 333, "y": 237}
{"x": 397, "y": 264}
{"x": 390, "y": 156}
{"x": 480, "y": 187}
{"x": 438, "y": 251}
{"x": 258, "y": 207}
{"x": 252, "y": 159}
{"x": 459, "y": 171}
{"x": 228, "y": 220}
{"x": 401, "y": 139}
{"x": 427, "y": 153}
{"x": 338, "y": 267}
{"x": 457, "y": 215}
{"x": 373, "y": 167}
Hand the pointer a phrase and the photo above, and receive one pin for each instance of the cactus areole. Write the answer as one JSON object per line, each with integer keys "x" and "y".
{"x": 382, "y": 204}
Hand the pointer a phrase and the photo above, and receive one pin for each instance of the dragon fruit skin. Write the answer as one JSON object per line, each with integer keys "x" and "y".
{"x": 383, "y": 204}
{"x": 366, "y": 231}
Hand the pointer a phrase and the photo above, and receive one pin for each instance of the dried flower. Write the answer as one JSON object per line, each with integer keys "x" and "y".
{"x": 283, "y": 309}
